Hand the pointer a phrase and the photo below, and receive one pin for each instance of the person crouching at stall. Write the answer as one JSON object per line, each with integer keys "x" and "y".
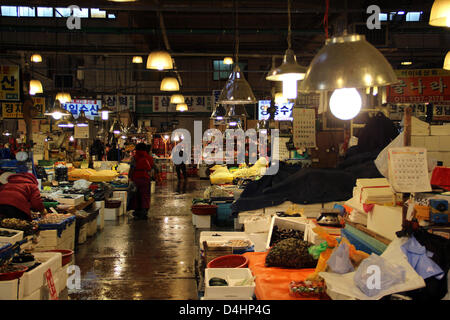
{"x": 140, "y": 167}
{"x": 19, "y": 194}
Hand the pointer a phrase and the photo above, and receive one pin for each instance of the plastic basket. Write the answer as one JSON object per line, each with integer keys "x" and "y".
{"x": 224, "y": 216}
{"x": 204, "y": 210}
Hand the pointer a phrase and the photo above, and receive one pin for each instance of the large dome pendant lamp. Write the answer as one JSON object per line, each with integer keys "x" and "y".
{"x": 289, "y": 72}
{"x": 440, "y": 13}
{"x": 176, "y": 98}
{"x": 447, "y": 61}
{"x": 236, "y": 90}
{"x": 57, "y": 112}
{"x": 345, "y": 64}
{"x": 170, "y": 84}
{"x": 159, "y": 60}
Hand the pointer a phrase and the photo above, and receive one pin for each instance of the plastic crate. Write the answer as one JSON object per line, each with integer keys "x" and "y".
{"x": 224, "y": 217}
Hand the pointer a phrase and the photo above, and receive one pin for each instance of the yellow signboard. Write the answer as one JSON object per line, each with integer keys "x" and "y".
{"x": 14, "y": 109}
{"x": 9, "y": 83}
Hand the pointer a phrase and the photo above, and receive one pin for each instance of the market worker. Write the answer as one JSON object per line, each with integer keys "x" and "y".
{"x": 19, "y": 193}
{"x": 140, "y": 167}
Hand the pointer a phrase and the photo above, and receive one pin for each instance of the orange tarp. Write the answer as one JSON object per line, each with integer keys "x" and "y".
{"x": 273, "y": 283}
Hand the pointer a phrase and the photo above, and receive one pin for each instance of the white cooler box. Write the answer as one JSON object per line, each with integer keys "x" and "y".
{"x": 286, "y": 223}
{"x": 111, "y": 214}
{"x": 232, "y": 276}
{"x": 122, "y": 196}
{"x": 49, "y": 240}
{"x": 17, "y": 237}
{"x": 100, "y": 205}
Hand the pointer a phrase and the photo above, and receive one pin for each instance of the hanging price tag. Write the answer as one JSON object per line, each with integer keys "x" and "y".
{"x": 51, "y": 284}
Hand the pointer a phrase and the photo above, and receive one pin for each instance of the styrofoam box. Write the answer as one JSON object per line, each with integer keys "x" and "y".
{"x": 443, "y": 130}
{"x": 82, "y": 236}
{"x": 34, "y": 279}
{"x": 92, "y": 228}
{"x": 223, "y": 236}
{"x": 259, "y": 239}
{"x": 17, "y": 237}
{"x": 43, "y": 293}
{"x": 257, "y": 224}
{"x": 100, "y": 205}
{"x": 385, "y": 221}
{"x": 9, "y": 289}
{"x": 232, "y": 276}
{"x": 246, "y": 214}
{"x": 111, "y": 213}
{"x": 285, "y": 223}
{"x": 74, "y": 201}
{"x": 202, "y": 221}
{"x": 444, "y": 143}
{"x": 123, "y": 197}
{"x": 50, "y": 237}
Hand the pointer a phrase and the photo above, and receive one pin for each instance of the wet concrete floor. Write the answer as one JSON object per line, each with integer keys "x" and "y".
{"x": 144, "y": 259}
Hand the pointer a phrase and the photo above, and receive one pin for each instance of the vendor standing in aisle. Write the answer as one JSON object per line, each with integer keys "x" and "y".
{"x": 19, "y": 193}
{"x": 140, "y": 167}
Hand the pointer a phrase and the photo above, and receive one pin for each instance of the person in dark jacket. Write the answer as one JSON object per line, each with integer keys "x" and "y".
{"x": 140, "y": 167}
{"x": 19, "y": 194}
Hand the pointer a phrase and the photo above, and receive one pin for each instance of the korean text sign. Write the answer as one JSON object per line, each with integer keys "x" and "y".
{"x": 194, "y": 103}
{"x": 90, "y": 108}
{"x": 283, "y": 111}
{"x": 14, "y": 109}
{"x": 9, "y": 83}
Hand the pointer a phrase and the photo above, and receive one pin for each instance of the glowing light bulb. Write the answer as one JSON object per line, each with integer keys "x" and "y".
{"x": 290, "y": 87}
{"x": 345, "y": 103}
{"x": 71, "y": 139}
{"x": 105, "y": 115}
{"x": 57, "y": 115}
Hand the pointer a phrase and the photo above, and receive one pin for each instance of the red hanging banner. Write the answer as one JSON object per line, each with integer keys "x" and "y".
{"x": 51, "y": 284}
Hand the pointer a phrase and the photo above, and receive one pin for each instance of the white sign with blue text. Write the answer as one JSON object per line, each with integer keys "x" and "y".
{"x": 283, "y": 111}
{"x": 90, "y": 108}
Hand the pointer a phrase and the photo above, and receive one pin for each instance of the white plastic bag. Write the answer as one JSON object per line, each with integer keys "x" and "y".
{"x": 81, "y": 184}
{"x": 339, "y": 261}
{"x": 381, "y": 162}
{"x": 375, "y": 274}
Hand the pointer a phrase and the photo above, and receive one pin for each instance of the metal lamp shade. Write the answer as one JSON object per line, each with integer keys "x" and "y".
{"x": 36, "y": 58}
{"x": 177, "y": 99}
{"x": 82, "y": 121}
{"x": 219, "y": 112}
{"x": 440, "y": 13}
{"x": 35, "y": 87}
{"x": 159, "y": 60}
{"x": 182, "y": 107}
{"x": 58, "y": 110}
{"x": 288, "y": 69}
{"x": 447, "y": 61}
{"x": 132, "y": 129}
{"x": 236, "y": 90}
{"x": 237, "y": 111}
{"x": 348, "y": 61}
{"x": 116, "y": 128}
{"x": 137, "y": 59}
{"x": 63, "y": 97}
{"x": 63, "y": 123}
{"x": 169, "y": 84}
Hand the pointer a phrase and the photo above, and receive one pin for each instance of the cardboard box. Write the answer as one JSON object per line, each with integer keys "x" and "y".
{"x": 385, "y": 221}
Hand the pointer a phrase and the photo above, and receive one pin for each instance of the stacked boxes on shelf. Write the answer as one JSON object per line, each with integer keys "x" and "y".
{"x": 58, "y": 236}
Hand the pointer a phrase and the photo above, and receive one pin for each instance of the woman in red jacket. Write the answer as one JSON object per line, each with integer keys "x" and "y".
{"x": 19, "y": 195}
{"x": 140, "y": 166}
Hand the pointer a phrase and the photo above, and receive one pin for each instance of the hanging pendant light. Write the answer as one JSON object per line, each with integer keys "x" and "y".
{"x": 219, "y": 112}
{"x": 82, "y": 121}
{"x": 169, "y": 84}
{"x": 57, "y": 112}
{"x": 137, "y": 59}
{"x": 440, "y": 13}
{"x": 104, "y": 112}
{"x": 177, "y": 99}
{"x": 66, "y": 123}
{"x": 182, "y": 107}
{"x": 7, "y": 133}
{"x": 132, "y": 129}
{"x": 63, "y": 97}
{"x": 116, "y": 128}
{"x": 159, "y": 60}
{"x": 447, "y": 61}
{"x": 228, "y": 60}
{"x": 36, "y": 58}
{"x": 280, "y": 99}
{"x": 290, "y": 72}
{"x": 236, "y": 90}
{"x": 348, "y": 61}
{"x": 237, "y": 111}
{"x": 35, "y": 87}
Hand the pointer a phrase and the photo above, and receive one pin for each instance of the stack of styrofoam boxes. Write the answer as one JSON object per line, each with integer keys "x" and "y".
{"x": 9, "y": 290}
{"x": 100, "y": 205}
{"x": 112, "y": 213}
{"x": 435, "y": 138}
{"x": 17, "y": 237}
{"x": 91, "y": 228}
{"x": 122, "y": 196}
{"x": 83, "y": 233}
{"x": 33, "y": 284}
{"x": 233, "y": 291}
{"x": 49, "y": 240}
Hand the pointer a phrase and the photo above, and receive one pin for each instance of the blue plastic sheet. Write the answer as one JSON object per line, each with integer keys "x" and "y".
{"x": 60, "y": 227}
{"x": 420, "y": 259}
